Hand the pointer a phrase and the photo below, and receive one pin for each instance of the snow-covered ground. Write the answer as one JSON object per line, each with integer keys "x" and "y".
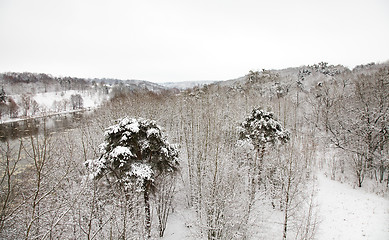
{"x": 179, "y": 227}
{"x": 344, "y": 213}
{"x": 48, "y": 99}
{"x": 347, "y": 213}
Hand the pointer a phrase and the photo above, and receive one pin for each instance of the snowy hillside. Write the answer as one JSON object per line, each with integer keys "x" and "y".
{"x": 186, "y": 85}
{"x": 348, "y": 213}
{"x": 344, "y": 213}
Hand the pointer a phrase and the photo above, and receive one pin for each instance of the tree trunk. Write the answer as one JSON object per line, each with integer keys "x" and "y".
{"x": 287, "y": 201}
{"x": 260, "y": 156}
{"x": 286, "y": 212}
{"x": 147, "y": 210}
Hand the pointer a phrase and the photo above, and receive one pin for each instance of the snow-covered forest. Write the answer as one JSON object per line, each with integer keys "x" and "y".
{"x": 298, "y": 153}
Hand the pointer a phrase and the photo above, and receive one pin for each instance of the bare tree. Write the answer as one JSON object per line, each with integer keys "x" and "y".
{"x": 3, "y": 109}
{"x": 358, "y": 123}
{"x": 13, "y": 108}
{"x": 10, "y": 161}
{"x": 77, "y": 101}
{"x": 26, "y": 104}
{"x": 164, "y": 201}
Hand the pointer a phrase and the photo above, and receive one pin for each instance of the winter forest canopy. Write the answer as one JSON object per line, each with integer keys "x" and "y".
{"x": 237, "y": 159}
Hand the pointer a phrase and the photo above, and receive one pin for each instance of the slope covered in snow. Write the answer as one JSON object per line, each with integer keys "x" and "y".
{"x": 344, "y": 213}
{"x": 187, "y": 84}
{"x": 347, "y": 213}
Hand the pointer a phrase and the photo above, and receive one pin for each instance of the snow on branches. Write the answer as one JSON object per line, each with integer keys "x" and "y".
{"x": 261, "y": 128}
{"x": 134, "y": 151}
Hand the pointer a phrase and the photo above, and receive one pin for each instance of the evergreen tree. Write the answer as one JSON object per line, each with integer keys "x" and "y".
{"x": 261, "y": 129}
{"x": 136, "y": 152}
{"x": 3, "y": 97}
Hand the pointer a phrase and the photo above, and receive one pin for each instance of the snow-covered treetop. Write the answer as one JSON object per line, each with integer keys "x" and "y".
{"x": 261, "y": 128}
{"x": 135, "y": 149}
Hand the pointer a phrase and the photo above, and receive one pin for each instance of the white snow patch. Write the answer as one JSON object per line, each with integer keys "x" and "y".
{"x": 152, "y": 131}
{"x": 102, "y": 147}
{"x": 112, "y": 129}
{"x": 47, "y": 100}
{"x": 164, "y": 151}
{"x": 120, "y": 150}
{"x": 181, "y": 225}
{"x": 95, "y": 166}
{"x": 133, "y": 127}
{"x": 141, "y": 171}
{"x": 124, "y": 138}
{"x": 348, "y": 213}
{"x": 124, "y": 121}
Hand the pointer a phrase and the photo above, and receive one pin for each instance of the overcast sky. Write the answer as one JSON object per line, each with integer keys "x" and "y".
{"x": 181, "y": 40}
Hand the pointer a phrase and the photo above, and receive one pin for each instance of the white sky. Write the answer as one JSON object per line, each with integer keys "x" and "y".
{"x": 181, "y": 40}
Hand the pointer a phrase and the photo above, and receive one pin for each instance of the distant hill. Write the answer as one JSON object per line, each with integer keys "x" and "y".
{"x": 132, "y": 84}
{"x": 289, "y": 81}
{"x": 26, "y": 82}
{"x": 186, "y": 85}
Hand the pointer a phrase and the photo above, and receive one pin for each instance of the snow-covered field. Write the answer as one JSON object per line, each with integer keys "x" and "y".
{"x": 48, "y": 99}
{"x": 347, "y": 213}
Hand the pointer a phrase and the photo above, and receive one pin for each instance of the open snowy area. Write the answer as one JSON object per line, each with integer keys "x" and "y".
{"x": 49, "y": 100}
{"x": 344, "y": 212}
{"x": 350, "y": 213}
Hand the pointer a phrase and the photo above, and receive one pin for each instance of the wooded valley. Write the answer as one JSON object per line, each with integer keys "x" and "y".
{"x": 236, "y": 159}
